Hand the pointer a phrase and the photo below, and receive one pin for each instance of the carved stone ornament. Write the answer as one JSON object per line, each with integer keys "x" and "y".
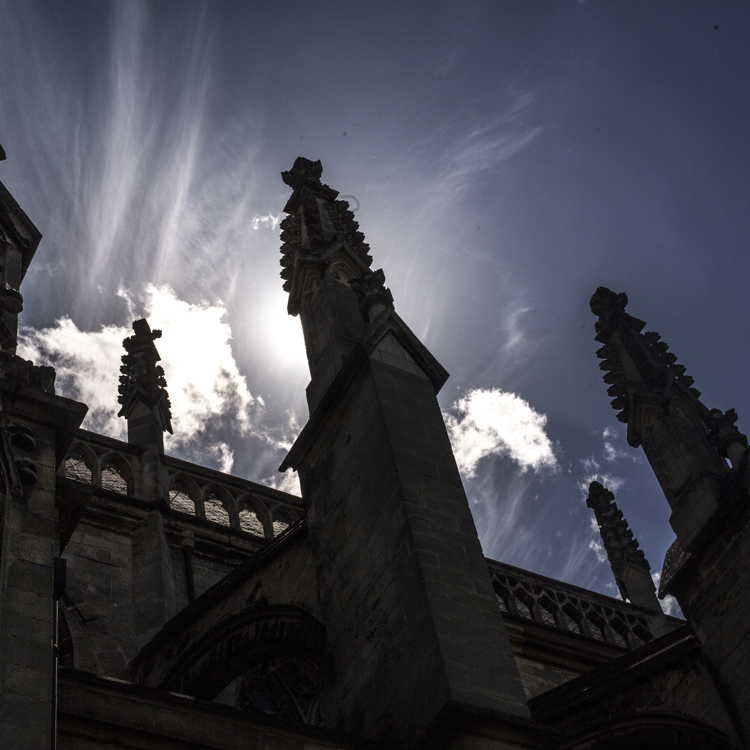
{"x": 23, "y": 373}
{"x": 622, "y": 547}
{"x": 141, "y": 377}
{"x": 303, "y": 170}
{"x": 11, "y": 480}
{"x": 723, "y": 431}
{"x": 605, "y": 303}
{"x": 371, "y": 291}
{"x": 285, "y": 688}
{"x": 10, "y": 299}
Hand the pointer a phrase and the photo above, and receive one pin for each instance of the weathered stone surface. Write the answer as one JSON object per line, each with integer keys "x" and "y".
{"x": 667, "y": 680}
{"x": 27, "y": 550}
{"x": 688, "y": 446}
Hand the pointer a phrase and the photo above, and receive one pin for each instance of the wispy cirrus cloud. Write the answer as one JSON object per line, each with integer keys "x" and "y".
{"x": 480, "y": 143}
{"x": 613, "y": 450}
{"x": 592, "y": 472}
{"x": 140, "y": 189}
{"x": 269, "y": 221}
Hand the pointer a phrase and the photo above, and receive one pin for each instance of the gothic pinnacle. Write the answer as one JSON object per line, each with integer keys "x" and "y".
{"x": 318, "y": 227}
{"x": 629, "y": 565}
{"x": 142, "y": 380}
{"x": 685, "y": 442}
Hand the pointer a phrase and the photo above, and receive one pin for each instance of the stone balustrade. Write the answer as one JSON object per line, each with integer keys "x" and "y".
{"x": 204, "y": 493}
{"x": 569, "y": 608}
{"x": 230, "y": 501}
{"x": 246, "y": 506}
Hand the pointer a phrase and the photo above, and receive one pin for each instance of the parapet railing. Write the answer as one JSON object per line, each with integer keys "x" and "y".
{"x": 198, "y": 491}
{"x": 231, "y": 501}
{"x": 102, "y": 462}
{"x": 569, "y": 608}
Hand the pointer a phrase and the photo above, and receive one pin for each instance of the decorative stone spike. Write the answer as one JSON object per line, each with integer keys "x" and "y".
{"x": 143, "y": 394}
{"x": 685, "y": 443}
{"x": 629, "y": 565}
{"x": 359, "y": 462}
{"x": 372, "y": 294}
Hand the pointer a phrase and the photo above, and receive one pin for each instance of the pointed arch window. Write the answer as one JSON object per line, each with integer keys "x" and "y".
{"x": 113, "y": 480}
{"x": 77, "y": 470}
{"x": 215, "y": 510}
{"x": 180, "y": 500}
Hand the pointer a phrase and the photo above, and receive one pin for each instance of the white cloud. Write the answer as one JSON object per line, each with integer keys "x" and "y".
{"x": 598, "y": 549}
{"x": 87, "y": 365}
{"x": 203, "y": 380}
{"x": 270, "y": 221}
{"x": 495, "y": 423}
{"x": 670, "y": 606}
{"x": 611, "y": 452}
{"x": 202, "y": 375}
{"x": 286, "y": 482}
{"x": 225, "y": 456}
{"x": 593, "y": 473}
{"x": 668, "y": 603}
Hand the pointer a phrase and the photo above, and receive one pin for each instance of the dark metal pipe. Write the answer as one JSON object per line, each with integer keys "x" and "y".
{"x": 59, "y": 579}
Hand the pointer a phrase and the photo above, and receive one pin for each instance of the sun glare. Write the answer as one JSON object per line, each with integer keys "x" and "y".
{"x": 283, "y": 332}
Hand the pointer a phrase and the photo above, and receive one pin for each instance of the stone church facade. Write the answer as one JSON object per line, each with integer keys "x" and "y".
{"x": 193, "y": 609}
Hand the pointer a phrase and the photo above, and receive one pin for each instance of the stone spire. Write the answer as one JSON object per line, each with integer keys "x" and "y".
{"x": 143, "y": 395}
{"x": 342, "y": 304}
{"x": 317, "y": 226}
{"x": 403, "y": 580}
{"x": 629, "y": 564}
{"x": 685, "y": 442}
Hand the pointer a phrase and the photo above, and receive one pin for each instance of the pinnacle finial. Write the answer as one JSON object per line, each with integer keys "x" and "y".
{"x": 318, "y": 228}
{"x": 685, "y": 442}
{"x": 622, "y": 547}
{"x": 303, "y": 170}
{"x": 599, "y": 496}
{"x": 629, "y": 565}
{"x": 630, "y": 355}
{"x": 605, "y": 301}
{"x": 142, "y": 382}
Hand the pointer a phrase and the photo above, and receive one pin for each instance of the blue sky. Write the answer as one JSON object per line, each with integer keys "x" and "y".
{"x": 506, "y": 159}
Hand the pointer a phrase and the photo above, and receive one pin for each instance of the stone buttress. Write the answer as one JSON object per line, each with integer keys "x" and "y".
{"x": 145, "y": 405}
{"x": 36, "y": 429}
{"x": 414, "y": 631}
{"x": 701, "y": 461}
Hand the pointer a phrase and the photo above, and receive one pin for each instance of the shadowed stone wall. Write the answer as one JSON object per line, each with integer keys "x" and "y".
{"x": 29, "y": 546}
{"x": 412, "y": 619}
